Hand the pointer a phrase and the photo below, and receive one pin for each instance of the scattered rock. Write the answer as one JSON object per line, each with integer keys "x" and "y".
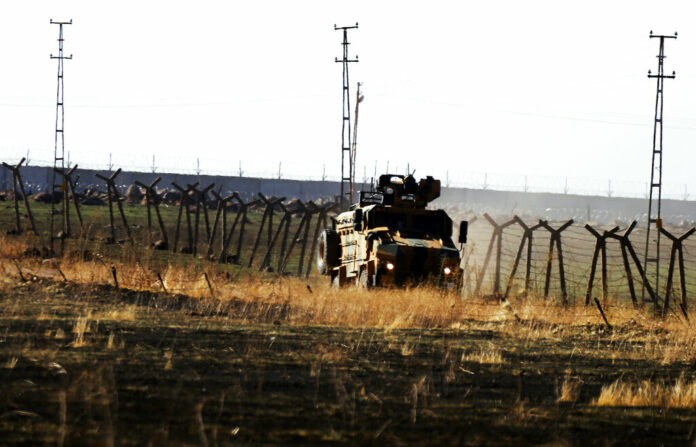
{"x": 9, "y": 195}
{"x": 48, "y": 197}
{"x": 133, "y": 194}
{"x": 171, "y": 197}
{"x": 293, "y": 205}
{"x": 93, "y": 201}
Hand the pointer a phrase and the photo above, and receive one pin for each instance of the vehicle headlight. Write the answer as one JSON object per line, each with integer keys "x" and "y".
{"x": 390, "y": 266}
{"x": 447, "y": 270}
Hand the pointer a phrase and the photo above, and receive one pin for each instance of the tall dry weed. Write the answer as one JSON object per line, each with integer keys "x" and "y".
{"x": 569, "y": 390}
{"x": 82, "y": 326}
{"x": 681, "y": 394}
{"x": 529, "y": 317}
{"x": 490, "y": 356}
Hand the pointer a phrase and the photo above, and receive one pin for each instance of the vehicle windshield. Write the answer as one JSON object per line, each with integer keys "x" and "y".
{"x": 429, "y": 224}
{"x": 420, "y": 225}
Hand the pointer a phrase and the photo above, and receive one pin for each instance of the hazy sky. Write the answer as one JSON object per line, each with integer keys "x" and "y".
{"x": 546, "y": 89}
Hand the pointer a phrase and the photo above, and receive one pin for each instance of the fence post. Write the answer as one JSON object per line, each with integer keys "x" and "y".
{"x": 26, "y": 199}
{"x": 152, "y": 200}
{"x": 16, "y": 200}
{"x": 184, "y": 206}
{"x": 270, "y": 221}
{"x": 311, "y": 211}
{"x": 676, "y": 248}
{"x": 149, "y": 212}
{"x": 626, "y": 245}
{"x": 496, "y": 236}
{"x": 284, "y": 222}
{"x": 527, "y": 236}
{"x": 285, "y": 255}
{"x": 556, "y": 240}
{"x": 200, "y": 195}
{"x": 240, "y": 241}
{"x": 600, "y": 247}
{"x": 223, "y": 230}
{"x": 70, "y": 185}
{"x": 303, "y": 222}
{"x": 221, "y": 210}
{"x": 112, "y": 227}
{"x": 286, "y": 234}
{"x": 629, "y": 274}
{"x": 268, "y": 211}
{"x": 17, "y": 180}
{"x": 113, "y": 194}
{"x": 227, "y": 237}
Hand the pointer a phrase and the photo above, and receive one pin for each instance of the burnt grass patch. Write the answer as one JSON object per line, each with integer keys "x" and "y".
{"x": 92, "y": 365}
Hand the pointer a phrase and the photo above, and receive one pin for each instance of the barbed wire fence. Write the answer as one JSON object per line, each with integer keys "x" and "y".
{"x": 560, "y": 256}
{"x": 620, "y": 281}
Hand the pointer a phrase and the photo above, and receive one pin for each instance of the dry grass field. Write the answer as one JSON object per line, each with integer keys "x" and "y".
{"x": 254, "y": 359}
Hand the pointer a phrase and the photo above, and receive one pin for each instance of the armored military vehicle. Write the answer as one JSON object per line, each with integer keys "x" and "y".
{"x": 390, "y": 238}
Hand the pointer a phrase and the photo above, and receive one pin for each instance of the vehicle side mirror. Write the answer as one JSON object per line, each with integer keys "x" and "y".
{"x": 463, "y": 229}
{"x": 358, "y": 220}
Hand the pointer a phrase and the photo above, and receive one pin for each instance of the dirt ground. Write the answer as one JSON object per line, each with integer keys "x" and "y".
{"x": 92, "y": 365}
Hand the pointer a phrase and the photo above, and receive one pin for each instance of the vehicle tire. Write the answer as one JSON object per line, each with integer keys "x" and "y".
{"x": 363, "y": 281}
{"x": 328, "y": 251}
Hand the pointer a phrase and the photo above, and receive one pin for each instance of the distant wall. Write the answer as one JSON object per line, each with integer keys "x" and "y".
{"x": 564, "y": 206}
{"x": 548, "y": 205}
{"x": 37, "y": 178}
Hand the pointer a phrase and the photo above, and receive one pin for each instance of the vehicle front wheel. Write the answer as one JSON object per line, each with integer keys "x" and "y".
{"x": 364, "y": 281}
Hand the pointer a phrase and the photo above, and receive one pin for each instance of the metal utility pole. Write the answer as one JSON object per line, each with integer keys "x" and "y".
{"x": 358, "y": 100}
{"x": 652, "y": 251}
{"x": 346, "y": 146}
{"x": 59, "y": 141}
